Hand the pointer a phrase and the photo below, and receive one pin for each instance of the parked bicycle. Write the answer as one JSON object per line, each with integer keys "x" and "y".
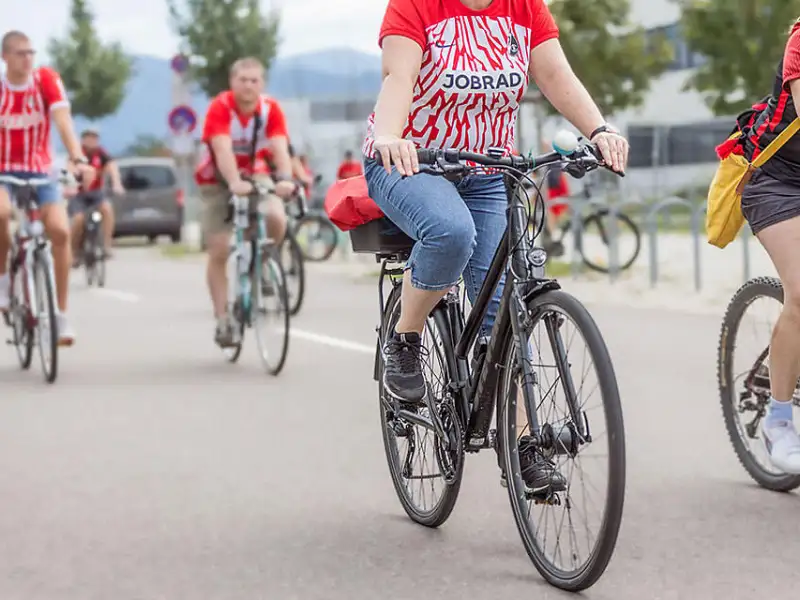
{"x": 523, "y": 369}
{"x": 314, "y": 233}
{"x": 32, "y": 309}
{"x": 743, "y": 378}
{"x": 595, "y": 225}
{"x": 257, "y": 294}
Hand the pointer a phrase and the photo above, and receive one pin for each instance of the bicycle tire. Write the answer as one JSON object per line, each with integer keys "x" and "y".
{"x": 441, "y": 512}
{"x": 89, "y": 256}
{"x": 331, "y": 237}
{"x": 275, "y": 270}
{"x": 20, "y": 315}
{"x": 760, "y": 287}
{"x": 624, "y": 221}
{"x": 43, "y": 283}
{"x": 615, "y": 492}
{"x": 294, "y": 270}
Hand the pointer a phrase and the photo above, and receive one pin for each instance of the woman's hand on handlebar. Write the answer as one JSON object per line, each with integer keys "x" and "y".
{"x": 614, "y": 150}
{"x": 398, "y": 152}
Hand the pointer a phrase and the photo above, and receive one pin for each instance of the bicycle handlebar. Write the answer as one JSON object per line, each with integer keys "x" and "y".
{"x": 586, "y": 157}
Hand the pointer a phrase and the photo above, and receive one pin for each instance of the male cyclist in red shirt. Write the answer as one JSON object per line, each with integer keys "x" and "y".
{"x": 229, "y": 133}
{"x": 29, "y": 98}
{"x": 92, "y": 196}
{"x": 349, "y": 167}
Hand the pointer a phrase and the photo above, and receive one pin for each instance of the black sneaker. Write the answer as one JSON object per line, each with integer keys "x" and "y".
{"x": 540, "y": 474}
{"x": 402, "y": 371}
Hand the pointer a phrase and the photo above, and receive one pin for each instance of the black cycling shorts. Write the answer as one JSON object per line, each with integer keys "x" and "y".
{"x": 85, "y": 201}
{"x": 767, "y": 201}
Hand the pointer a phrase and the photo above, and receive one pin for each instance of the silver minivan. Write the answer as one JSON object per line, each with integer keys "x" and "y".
{"x": 153, "y": 202}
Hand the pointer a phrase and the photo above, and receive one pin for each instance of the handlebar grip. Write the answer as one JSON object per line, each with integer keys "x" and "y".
{"x": 424, "y": 157}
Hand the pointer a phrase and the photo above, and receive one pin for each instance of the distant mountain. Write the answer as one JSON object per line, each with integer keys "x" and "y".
{"x": 319, "y": 75}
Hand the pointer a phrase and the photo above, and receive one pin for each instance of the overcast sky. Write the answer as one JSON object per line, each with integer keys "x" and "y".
{"x": 142, "y": 26}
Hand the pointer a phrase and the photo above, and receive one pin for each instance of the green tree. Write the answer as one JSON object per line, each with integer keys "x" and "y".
{"x": 614, "y": 59}
{"x": 215, "y": 33}
{"x": 148, "y": 145}
{"x": 94, "y": 74}
{"x": 742, "y": 42}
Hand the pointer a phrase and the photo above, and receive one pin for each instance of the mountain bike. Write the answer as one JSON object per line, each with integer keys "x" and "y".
{"x": 257, "y": 295}
{"x": 597, "y": 224}
{"x": 523, "y": 368}
{"x": 32, "y": 309}
{"x": 292, "y": 256}
{"x": 743, "y": 379}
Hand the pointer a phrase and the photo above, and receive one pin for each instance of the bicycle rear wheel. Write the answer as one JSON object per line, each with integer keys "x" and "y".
{"x": 292, "y": 262}
{"x": 270, "y": 312}
{"x": 568, "y": 432}
{"x": 45, "y": 311}
{"x": 417, "y": 458}
{"x": 597, "y": 231}
{"x": 316, "y": 236}
{"x": 743, "y": 378}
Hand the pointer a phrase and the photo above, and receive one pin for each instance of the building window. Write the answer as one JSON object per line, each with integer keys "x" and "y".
{"x": 688, "y": 144}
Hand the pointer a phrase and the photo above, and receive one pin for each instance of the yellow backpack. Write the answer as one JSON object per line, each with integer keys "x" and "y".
{"x": 724, "y": 216}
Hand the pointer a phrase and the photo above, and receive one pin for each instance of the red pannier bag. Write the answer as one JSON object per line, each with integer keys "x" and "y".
{"x": 348, "y": 204}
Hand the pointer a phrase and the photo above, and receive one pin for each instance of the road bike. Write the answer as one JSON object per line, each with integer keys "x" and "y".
{"x": 599, "y": 223}
{"x": 292, "y": 256}
{"x": 523, "y": 369}
{"x": 257, "y": 294}
{"x": 743, "y": 378}
{"x": 32, "y": 314}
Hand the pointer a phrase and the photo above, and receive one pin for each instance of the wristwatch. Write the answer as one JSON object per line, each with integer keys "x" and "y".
{"x": 81, "y": 160}
{"x": 604, "y": 128}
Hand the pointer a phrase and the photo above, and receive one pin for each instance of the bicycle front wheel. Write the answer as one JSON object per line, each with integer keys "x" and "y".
{"x": 596, "y": 240}
{"x": 45, "y": 310}
{"x": 271, "y": 314}
{"x": 570, "y": 441}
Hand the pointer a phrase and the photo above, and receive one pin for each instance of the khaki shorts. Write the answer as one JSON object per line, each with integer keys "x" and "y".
{"x": 215, "y": 200}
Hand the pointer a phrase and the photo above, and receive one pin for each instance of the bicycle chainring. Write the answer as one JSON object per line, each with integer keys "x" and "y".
{"x": 450, "y": 452}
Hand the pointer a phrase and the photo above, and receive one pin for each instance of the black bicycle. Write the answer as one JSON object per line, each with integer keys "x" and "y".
{"x": 600, "y": 224}
{"x": 524, "y": 369}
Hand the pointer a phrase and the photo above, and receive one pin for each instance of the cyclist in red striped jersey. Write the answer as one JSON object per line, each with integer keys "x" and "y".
{"x": 29, "y": 99}
{"x": 454, "y": 74}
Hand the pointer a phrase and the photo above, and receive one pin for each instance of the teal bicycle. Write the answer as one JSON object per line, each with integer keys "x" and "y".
{"x": 257, "y": 294}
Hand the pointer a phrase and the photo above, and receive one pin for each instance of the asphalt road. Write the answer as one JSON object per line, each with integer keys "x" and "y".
{"x": 155, "y": 470}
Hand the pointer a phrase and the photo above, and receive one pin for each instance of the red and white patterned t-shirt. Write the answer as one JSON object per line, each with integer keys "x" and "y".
{"x": 225, "y": 118}
{"x": 25, "y": 121}
{"x": 474, "y": 69}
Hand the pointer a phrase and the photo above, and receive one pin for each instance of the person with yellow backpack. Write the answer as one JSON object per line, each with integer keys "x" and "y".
{"x": 758, "y": 180}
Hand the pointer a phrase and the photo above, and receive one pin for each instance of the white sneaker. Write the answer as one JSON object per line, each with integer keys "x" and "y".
{"x": 783, "y": 445}
{"x": 5, "y": 291}
{"x": 66, "y": 335}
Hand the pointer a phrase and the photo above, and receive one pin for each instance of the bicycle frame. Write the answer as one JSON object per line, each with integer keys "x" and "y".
{"x": 31, "y": 246}
{"x": 525, "y": 280}
{"x": 242, "y": 221}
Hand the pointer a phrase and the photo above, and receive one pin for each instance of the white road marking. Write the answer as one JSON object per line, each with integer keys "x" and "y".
{"x": 332, "y": 341}
{"x": 117, "y": 295}
{"x": 310, "y": 336}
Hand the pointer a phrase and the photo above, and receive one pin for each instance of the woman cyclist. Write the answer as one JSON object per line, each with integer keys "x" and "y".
{"x": 771, "y": 204}
{"x": 454, "y": 74}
